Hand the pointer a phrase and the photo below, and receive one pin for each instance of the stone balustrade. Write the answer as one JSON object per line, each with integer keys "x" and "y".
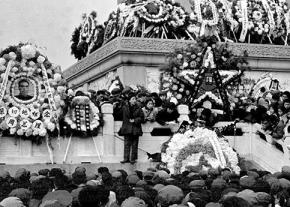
{"x": 107, "y": 147}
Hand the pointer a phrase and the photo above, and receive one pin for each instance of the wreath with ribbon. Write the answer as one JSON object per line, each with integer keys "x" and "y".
{"x": 83, "y": 117}
{"x": 152, "y": 19}
{"x": 87, "y": 37}
{"x": 199, "y": 148}
{"x": 38, "y": 115}
{"x": 206, "y": 68}
{"x": 262, "y": 21}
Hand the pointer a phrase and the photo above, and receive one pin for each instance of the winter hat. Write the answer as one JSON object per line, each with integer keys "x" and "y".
{"x": 284, "y": 183}
{"x": 196, "y": 184}
{"x": 22, "y": 193}
{"x": 133, "y": 202}
{"x": 64, "y": 197}
{"x": 157, "y": 187}
{"x": 170, "y": 194}
{"x": 51, "y": 203}
{"x": 247, "y": 181}
{"x": 248, "y": 195}
{"x": 219, "y": 183}
{"x": 141, "y": 183}
{"x": 11, "y": 202}
{"x": 132, "y": 179}
{"x": 162, "y": 174}
{"x": 263, "y": 198}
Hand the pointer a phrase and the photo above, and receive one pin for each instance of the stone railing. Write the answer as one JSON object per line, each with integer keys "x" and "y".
{"x": 107, "y": 147}
{"x": 269, "y": 153}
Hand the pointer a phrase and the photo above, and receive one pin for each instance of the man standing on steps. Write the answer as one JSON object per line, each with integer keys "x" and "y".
{"x": 131, "y": 128}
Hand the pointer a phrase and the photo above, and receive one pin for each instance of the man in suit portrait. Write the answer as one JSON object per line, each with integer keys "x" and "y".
{"x": 23, "y": 86}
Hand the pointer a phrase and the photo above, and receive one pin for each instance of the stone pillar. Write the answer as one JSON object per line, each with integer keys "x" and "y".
{"x": 183, "y": 113}
{"x": 108, "y": 130}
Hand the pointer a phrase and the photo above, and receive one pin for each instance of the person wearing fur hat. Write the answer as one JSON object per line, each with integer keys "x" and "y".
{"x": 131, "y": 128}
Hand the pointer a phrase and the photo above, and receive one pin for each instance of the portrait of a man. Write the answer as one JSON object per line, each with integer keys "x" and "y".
{"x": 24, "y": 90}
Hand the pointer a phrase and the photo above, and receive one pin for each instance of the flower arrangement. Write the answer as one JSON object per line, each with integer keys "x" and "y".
{"x": 211, "y": 18}
{"x": 204, "y": 69}
{"x": 87, "y": 37}
{"x": 83, "y": 116}
{"x": 189, "y": 149}
{"x": 151, "y": 19}
{"x": 262, "y": 21}
{"x": 33, "y": 116}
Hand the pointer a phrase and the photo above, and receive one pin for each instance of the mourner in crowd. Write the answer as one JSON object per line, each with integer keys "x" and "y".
{"x": 154, "y": 187}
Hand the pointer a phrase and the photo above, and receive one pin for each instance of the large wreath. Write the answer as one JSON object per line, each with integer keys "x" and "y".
{"x": 38, "y": 115}
{"x": 207, "y": 60}
{"x": 83, "y": 117}
{"x": 87, "y": 37}
{"x": 262, "y": 21}
{"x": 152, "y": 19}
{"x": 199, "y": 148}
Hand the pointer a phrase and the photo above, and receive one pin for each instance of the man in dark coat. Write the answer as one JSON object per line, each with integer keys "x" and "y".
{"x": 131, "y": 128}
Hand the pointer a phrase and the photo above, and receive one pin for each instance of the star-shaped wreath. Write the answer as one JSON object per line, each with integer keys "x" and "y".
{"x": 203, "y": 71}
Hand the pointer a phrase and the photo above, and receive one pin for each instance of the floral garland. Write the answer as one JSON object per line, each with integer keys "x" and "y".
{"x": 37, "y": 116}
{"x": 188, "y": 68}
{"x": 152, "y": 19}
{"x": 88, "y": 37}
{"x": 83, "y": 116}
{"x": 262, "y": 21}
{"x": 187, "y": 149}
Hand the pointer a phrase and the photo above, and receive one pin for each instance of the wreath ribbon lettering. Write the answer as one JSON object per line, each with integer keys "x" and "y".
{"x": 49, "y": 93}
{"x": 244, "y": 31}
{"x": 5, "y": 80}
{"x": 270, "y": 16}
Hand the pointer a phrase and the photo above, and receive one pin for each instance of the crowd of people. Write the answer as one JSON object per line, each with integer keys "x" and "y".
{"x": 271, "y": 109}
{"x": 155, "y": 187}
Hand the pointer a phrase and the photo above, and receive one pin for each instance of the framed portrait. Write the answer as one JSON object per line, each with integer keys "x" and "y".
{"x": 24, "y": 89}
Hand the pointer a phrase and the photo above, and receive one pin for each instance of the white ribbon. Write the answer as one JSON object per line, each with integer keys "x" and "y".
{"x": 270, "y": 15}
{"x": 5, "y": 80}
{"x": 218, "y": 150}
{"x": 287, "y": 20}
{"x": 49, "y": 94}
{"x": 244, "y": 7}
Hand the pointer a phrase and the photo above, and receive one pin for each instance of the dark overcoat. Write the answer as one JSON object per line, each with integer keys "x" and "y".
{"x": 135, "y": 128}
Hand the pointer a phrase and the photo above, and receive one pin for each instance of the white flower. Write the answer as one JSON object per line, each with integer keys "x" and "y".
{"x": 12, "y": 130}
{"x": 70, "y": 92}
{"x": 12, "y": 55}
{"x": 2, "y": 61}
{"x": 40, "y": 59}
{"x": 257, "y": 15}
{"x": 31, "y": 63}
{"x": 185, "y": 64}
{"x": 20, "y": 132}
{"x": 42, "y": 132}
{"x": 51, "y": 126}
{"x": 2, "y": 68}
{"x": 28, "y": 51}
{"x": 57, "y": 77}
{"x": 179, "y": 56}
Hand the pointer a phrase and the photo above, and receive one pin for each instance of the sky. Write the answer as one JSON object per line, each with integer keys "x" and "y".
{"x": 48, "y": 24}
